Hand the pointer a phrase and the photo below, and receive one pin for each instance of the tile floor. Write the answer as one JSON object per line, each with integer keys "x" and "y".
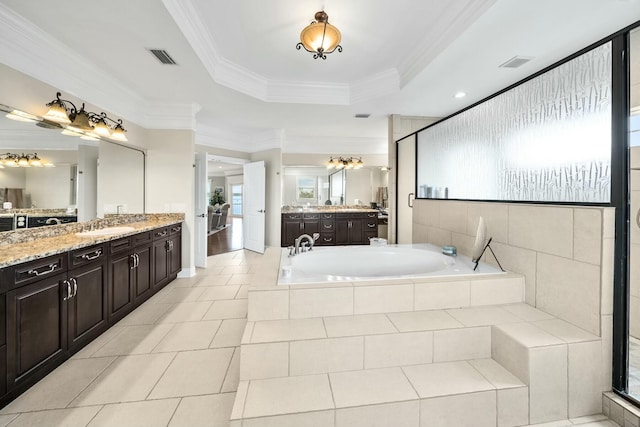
{"x": 173, "y": 362}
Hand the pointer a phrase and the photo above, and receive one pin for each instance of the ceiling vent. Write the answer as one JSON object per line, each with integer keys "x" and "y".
{"x": 162, "y": 56}
{"x": 362, "y": 116}
{"x": 516, "y": 62}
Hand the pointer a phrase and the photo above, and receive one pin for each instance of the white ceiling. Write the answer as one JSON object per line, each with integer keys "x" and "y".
{"x": 239, "y": 70}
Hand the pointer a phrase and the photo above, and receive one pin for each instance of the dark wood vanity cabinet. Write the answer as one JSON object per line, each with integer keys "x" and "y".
{"x": 52, "y": 307}
{"x": 166, "y": 254}
{"x": 340, "y": 228}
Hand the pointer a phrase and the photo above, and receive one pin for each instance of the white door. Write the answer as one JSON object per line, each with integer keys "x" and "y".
{"x": 406, "y": 168}
{"x": 201, "y": 211}
{"x": 254, "y": 206}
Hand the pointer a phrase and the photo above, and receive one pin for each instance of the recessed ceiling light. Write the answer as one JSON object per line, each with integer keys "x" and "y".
{"x": 460, "y": 95}
{"x": 362, "y": 115}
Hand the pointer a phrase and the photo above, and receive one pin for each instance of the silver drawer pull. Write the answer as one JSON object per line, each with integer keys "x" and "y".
{"x": 51, "y": 267}
{"x": 176, "y": 229}
{"x": 371, "y": 225}
{"x": 327, "y": 239}
{"x": 93, "y": 255}
{"x": 164, "y": 233}
{"x": 328, "y": 226}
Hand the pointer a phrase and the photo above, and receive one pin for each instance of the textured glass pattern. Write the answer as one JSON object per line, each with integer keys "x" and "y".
{"x": 548, "y": 139}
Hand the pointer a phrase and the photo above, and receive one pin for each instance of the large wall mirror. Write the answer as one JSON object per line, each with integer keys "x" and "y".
{"x": 316, "y": 186}
{"x": 88, "y": 178}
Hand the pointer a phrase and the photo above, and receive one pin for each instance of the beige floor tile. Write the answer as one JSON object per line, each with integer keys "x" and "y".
{"x": 211, "y": 269}
{"x": 185, "y": 312}
{"x": 227, "y": 309}
{"x": 229, "y": 334}
{"x": 441, "y": 379}
{"x": 127, "y": 379}
{"x": 134, "y": 340}
{"x": 178, "y": 295}
{"x": 277, "y": 396}
{"x": 74, "y": 417}
{"x": 212, "y": 410}
{"x": 6, "y": 419}
{"x": 61, "y": 386}
{"x": 243, "y": 292}
{"x": 193, "y": 373}
{"x": 364, "y": 324}
{"x": 232, "y": 378}
{"x": 240, "y": 279}
{"x": 146, "y": 314}
{"x": 140, "y": 414}
{"x": 237, "y": 269}
{"x": 188, "y": 336}
{"x": 213, "y": 280}
{"x": 370, "y": 387}
{"x": 186, "y": 282}
{"x": 97, "y": 343}
{"x": 219, "y": 293}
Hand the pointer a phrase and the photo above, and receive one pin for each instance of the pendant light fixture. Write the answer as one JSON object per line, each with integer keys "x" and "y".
{"x": 320, "y": 37}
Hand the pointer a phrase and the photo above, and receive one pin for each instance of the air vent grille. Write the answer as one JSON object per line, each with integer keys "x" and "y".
{"x": 516, "y": 62}
{"x": 162, "y": 56}
{"x": 362, "y": 116}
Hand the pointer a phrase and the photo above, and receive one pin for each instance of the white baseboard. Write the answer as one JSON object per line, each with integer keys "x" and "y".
{"x": 187, "y": 272}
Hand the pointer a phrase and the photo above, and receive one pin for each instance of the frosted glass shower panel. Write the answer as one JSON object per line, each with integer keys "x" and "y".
{"x": 548, "y": 139}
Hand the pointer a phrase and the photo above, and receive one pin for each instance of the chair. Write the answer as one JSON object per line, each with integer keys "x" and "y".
{"x": 224, "y": 210}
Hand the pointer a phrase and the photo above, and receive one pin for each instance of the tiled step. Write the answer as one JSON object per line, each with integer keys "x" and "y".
{"x": 477, "y": 392}
{"x": 560, "y": 363}
{"x": 279, "y": 348}
{"x": 382, "y": 296}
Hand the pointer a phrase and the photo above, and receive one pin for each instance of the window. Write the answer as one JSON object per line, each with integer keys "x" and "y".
{"x": 236, "y": 200}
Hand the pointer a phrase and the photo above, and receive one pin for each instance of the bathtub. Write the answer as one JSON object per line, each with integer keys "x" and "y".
{"x": 356, "y": 263}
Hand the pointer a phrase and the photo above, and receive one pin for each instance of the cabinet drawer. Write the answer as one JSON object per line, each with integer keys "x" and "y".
{"x": 349, "y": 215}
{"x": 32, "y": 271}
{"x": 327, "y": 216}
{"x": 119, "y": 245}
{"x": 326, "y": 239}
{"x": 369, "y": 235}
{"x": 141, "y": 238}
{"x": 371, "y": 225}
{"x": 160, "y": 233}
{"x": 291, "y": 217}
{"x": 84, "y": 256}
{"x": 372, "y": 215}
{"x": 175, "y": 228}
{"x": 311, "y": 216}
{"x": 327, "y": 226}
{"x": 383, "y": 221}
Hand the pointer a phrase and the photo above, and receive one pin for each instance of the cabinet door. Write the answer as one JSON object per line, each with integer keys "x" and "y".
{"x": 160, "y": 266}
{"x": 342, "y": 231}
{"x": 290, "y": 231}
{"x": 356, "y": 231}
{"x": 142, "y": 274}
{"x": 120, "y": 286}
{"x": 87, "y": 308}
{"x": 175, "y": 254}
{"x": 36, "y": 329}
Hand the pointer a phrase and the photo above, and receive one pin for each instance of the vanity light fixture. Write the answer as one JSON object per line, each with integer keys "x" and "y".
{"x": 347, "y": 163}
{"x": 320, "y": 37}
{"x": 21, "y": 116}
{"x": 23, "y": 161}
{"x": 80, "y": 122}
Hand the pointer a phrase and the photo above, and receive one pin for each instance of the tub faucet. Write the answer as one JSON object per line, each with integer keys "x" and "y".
{"x": 303, "y": 242}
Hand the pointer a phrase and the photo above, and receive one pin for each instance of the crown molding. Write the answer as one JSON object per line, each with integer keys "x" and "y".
{"x": 439, "y": 37}
{"x": 381, "y": 84}
{"x": 36, "y": 53}
{"x": 244, "y": 141}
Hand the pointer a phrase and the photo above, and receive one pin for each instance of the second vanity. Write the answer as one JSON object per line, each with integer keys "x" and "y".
{"x": 59, "y": 293}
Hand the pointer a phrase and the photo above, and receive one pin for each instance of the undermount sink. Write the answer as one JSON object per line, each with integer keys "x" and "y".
{"x": 105, "y": 231}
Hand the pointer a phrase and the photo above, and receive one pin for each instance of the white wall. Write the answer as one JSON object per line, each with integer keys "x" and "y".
{"x": 13, "y": 178}
{"x": 273, "y": 166}
{"x": 170, "y": 183}
{"x": 49, "y": 188}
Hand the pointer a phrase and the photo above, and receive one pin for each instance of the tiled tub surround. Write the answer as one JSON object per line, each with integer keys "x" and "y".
{"x": 565, "y": 254}
{"x": 29, "y": 244}
{"x": 409, "y": 353}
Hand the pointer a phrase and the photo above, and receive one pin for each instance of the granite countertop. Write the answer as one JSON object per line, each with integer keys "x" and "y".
{"x": 16, "y": 253}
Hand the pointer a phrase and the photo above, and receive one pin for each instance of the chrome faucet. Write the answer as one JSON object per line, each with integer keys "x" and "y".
{"x": 303, "y": 242}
